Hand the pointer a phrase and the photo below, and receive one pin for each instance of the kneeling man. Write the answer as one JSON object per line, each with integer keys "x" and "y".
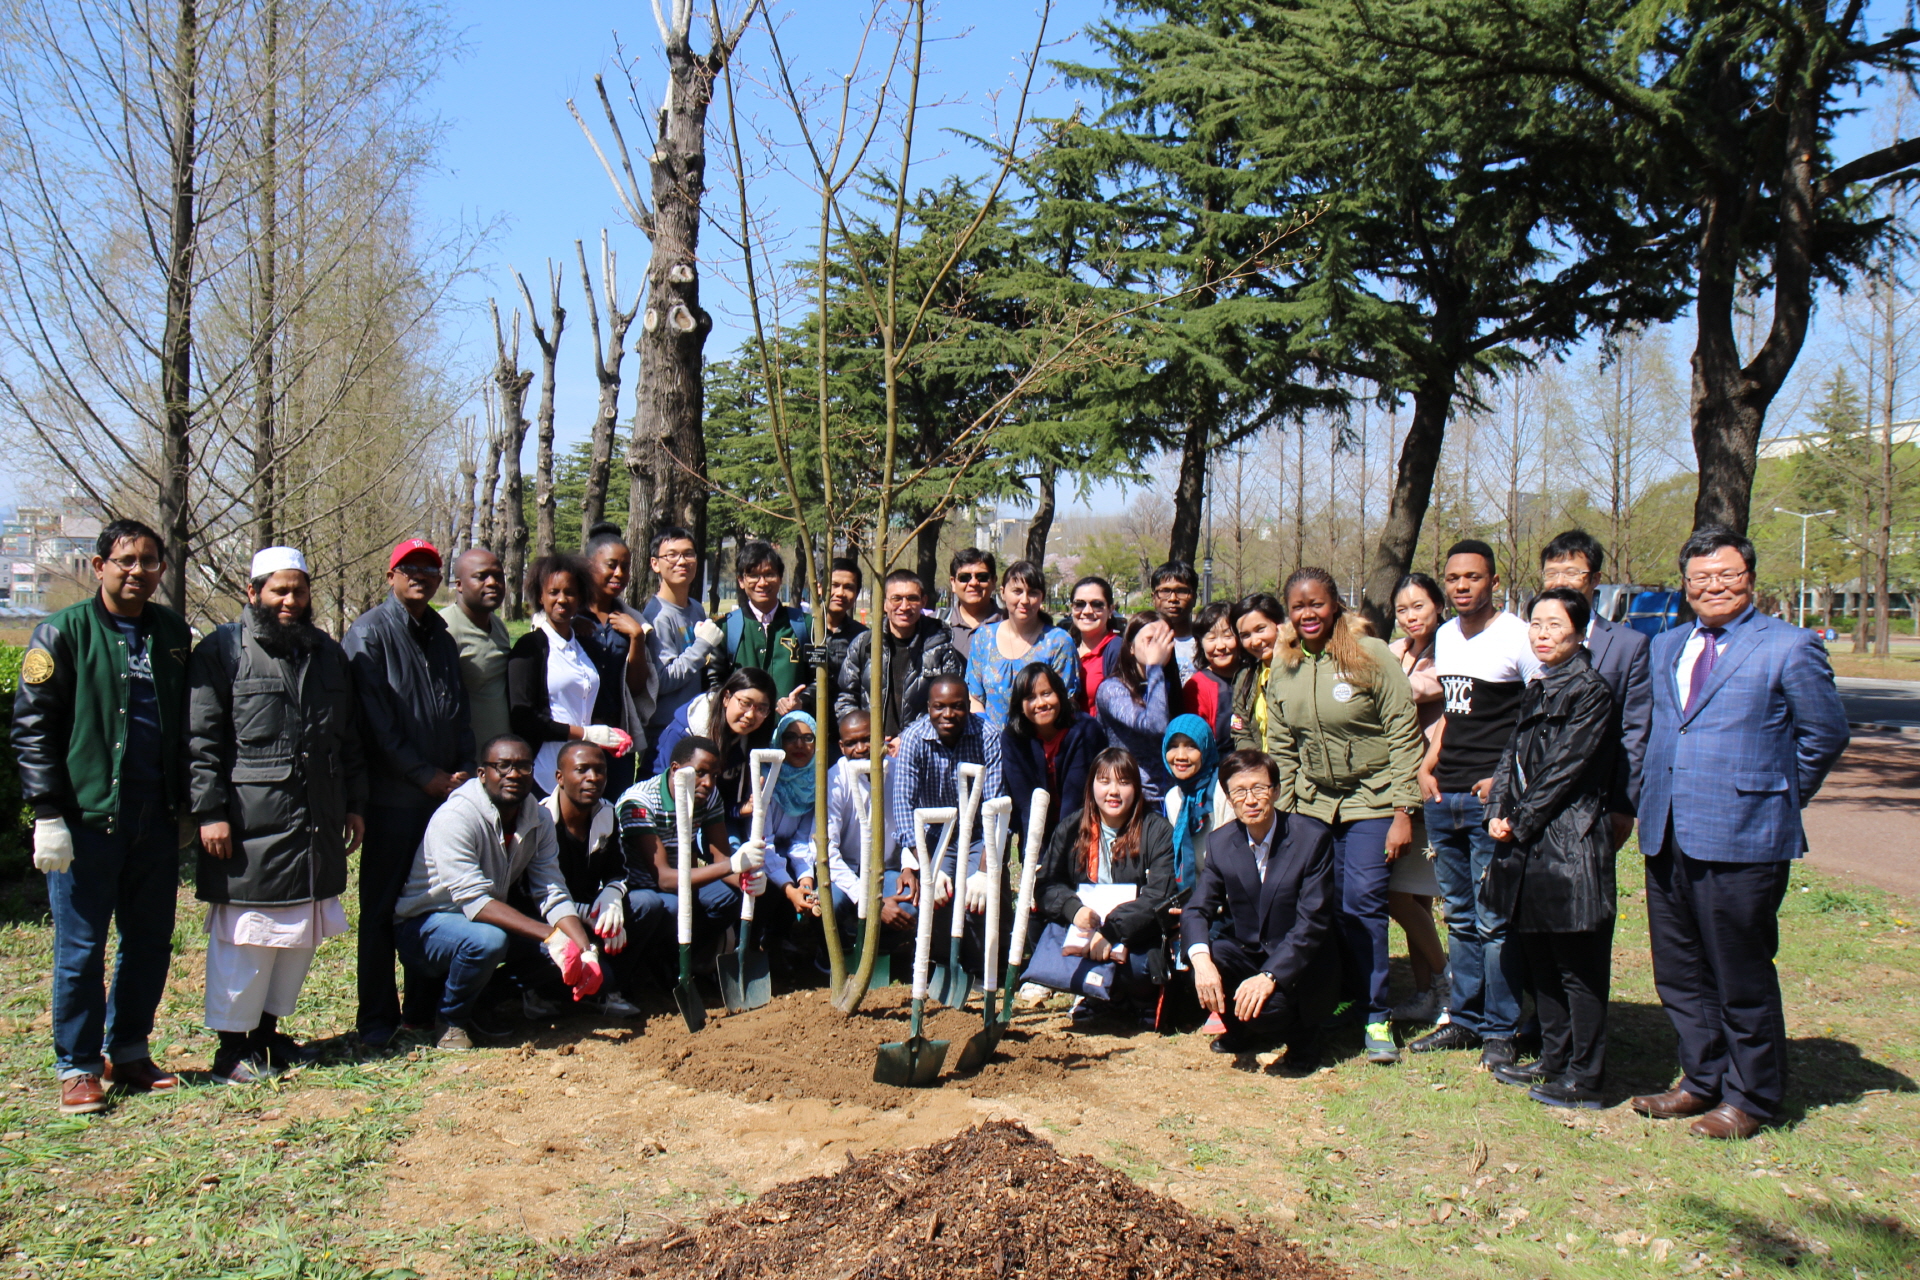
{"x": 453, "y": 918}
{"x": 1269, "y": 880}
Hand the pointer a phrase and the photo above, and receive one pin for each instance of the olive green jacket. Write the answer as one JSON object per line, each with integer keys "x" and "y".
{"x": 1347, "y": 748}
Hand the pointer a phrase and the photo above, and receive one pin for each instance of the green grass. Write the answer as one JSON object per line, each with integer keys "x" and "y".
{"x": 1427, "y": 1169}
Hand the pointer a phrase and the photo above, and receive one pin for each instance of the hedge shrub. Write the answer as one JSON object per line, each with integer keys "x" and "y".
{"x": 15, "y": 850}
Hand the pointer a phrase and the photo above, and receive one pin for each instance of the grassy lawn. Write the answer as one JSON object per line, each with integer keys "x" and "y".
{"x": 1426, "y": 1169}
{"x": 1862, "y": 666}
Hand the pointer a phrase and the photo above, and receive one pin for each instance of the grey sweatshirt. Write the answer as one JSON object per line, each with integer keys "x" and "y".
{"x": 678, "y": 653}
{"x": 463, "y": 862}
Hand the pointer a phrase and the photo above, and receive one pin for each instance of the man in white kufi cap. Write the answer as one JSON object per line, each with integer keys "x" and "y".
{"x": 278, "y": 785}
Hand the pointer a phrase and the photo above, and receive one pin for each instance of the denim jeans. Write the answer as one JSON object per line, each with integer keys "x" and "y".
{"x": 1488, "y": 975}
{"x": 127, "y": 879}
{"x": 716, "y": 908}
{"x": 465, "y": 952}
{"x": 1360, "y": 875}
{"x": 846, "y": 914}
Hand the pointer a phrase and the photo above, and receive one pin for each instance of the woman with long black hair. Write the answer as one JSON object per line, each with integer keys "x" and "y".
{"x": 1049, "y": 744}
{"x": 737, "y": 717}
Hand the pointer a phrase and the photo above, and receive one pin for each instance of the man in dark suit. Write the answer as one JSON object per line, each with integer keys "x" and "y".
{"x": 1269, "y": 879}
{"x": 1620, "y": 654}
{"x": 1746, "y": 724}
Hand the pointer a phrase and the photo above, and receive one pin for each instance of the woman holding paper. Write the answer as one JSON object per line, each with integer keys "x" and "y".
{"x": 1107, "y": 879}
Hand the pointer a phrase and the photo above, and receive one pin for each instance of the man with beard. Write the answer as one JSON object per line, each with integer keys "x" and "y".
{"x": 278, "y": 786}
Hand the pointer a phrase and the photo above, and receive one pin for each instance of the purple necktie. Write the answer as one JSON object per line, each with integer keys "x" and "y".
{"x": 1703, "y": 665}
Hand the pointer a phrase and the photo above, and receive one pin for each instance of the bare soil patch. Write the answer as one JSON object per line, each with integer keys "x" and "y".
{"x": 993, "y": 1201}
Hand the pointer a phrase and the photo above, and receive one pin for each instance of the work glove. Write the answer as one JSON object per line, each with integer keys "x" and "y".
{"x": 616, "y": 944}
{"x": 568, "y": 957}
{"x": 755, "y": 884}
{"x": 749, "y": 858}
{"x": 709, "y": 633}
{"x": 977, "y": 892}
{"x": 590, "y": 975}
{"x": 618, "y": 741}
{"x": 609, "y": 912}
{"x": 943, "y": 890}
{"x": 52, "y": 845}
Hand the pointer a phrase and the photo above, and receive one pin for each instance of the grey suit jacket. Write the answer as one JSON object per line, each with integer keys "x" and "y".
{"x": 1621, "y": 656}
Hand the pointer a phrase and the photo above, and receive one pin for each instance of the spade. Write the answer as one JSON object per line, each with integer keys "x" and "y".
{"x": 996, "y": 818}
{"x": 917, "y": 1060}
{"x": 746, "y": 980}
{"x": 1023, "y": 906}
{"x": 952, "y": 984}
{"x": 692, "y": 1009}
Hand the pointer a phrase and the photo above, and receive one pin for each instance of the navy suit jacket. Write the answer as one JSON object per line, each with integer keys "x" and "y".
{"x": 1731, "y": 773}
{"x": 1621, "y": 656}
{"x": 1283, "y": 919}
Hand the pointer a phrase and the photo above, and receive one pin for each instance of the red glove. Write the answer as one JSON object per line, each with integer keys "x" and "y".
{"x": 568, "y": 958}
{"x": 605, "y": 736}
{"x": 588, "y": 980}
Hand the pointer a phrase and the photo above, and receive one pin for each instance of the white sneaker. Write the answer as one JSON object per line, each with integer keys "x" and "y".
{"x": 619, "y": 1006}
{"x": 454, "y": 1040}
{"x": 535, "y": 1007}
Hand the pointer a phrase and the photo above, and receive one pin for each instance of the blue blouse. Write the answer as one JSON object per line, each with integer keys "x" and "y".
{"x": 990, "y": 676}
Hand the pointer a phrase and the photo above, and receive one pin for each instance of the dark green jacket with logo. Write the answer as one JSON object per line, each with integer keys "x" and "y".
{"x": 70, "y": 714}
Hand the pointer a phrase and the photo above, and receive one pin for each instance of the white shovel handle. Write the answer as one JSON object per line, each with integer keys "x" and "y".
{"x": 768, "y": 758}
{"x": 1029, "y": 868}
{"x": 969, "y": 810}
{"x": 859, "y": 771}
{"x": 999, "y": 818}
{"x": 683, "y": 784}
{"x": 929, "y": 872}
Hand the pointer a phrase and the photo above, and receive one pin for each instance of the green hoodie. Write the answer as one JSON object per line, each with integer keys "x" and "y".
{"x": 1347, "y": 748}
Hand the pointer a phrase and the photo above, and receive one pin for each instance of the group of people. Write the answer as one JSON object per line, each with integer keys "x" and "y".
{"x": 1227, "y": 804}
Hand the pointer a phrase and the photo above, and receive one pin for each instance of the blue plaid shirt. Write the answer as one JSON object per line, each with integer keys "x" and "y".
{"x": 926, "y": 775}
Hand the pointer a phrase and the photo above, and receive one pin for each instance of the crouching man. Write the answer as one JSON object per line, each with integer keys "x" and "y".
{"x": 453, "y": 919}
{"x": 278, "y": 786}
{"x": 1269, "y": 973}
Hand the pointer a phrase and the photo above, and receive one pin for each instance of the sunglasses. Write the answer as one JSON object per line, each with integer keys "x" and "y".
{"x": 1088, "y": 606}
{"x": 973, "y": 577}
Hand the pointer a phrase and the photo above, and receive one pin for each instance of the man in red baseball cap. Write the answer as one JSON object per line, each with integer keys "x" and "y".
{"x": 420, "y": 746}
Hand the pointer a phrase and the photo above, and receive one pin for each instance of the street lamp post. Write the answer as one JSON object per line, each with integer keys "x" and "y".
{"x": 1803, "y": 517}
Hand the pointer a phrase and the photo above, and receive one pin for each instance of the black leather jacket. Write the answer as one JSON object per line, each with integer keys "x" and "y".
{"x": 930, "y": 651}
{"x": 413, "y": 703}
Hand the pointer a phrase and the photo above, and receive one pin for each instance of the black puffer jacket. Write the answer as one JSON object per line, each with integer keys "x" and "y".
{"x": 931, "y": 654}
{"x": 274, "y": 749}
{"x": 1556, "y": 876}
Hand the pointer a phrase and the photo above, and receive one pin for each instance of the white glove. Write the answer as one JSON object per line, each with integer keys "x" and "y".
{"x": 52, "y": 845}
{"x": 709, "y": 633}
{"x": 616, "y": 944}
{"x": 609, "y": 912}
{"x": 749, "y": 858}
{"x": 618, "y": 741}
{"x": 943, "y": 890}
{"x": 754, "y": 883}
{"x": 977, "y": 892}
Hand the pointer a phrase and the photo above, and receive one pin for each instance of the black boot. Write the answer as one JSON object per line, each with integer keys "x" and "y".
{"x": 236, "y": 1061}
{"x": 274, "y": 1047}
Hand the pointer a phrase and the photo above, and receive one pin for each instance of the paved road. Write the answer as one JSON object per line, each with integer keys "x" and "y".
{"x": 1881, "y": 701}
{"x": 1865, "y": 823}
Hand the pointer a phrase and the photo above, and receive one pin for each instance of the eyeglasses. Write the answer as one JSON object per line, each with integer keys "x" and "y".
{"x": 420, "y": 572}
{"x": 761, "y": 575}
{"x": 127, "y": 564}
{"x": 1174, "y": 593}
{"x": 1243, "y": 795}
{"x": 520, "y": 767}
{"x": 973, "y": 577}
{"x": 1704, "y": 581}
{"x": 1088, "y": 606}
{"x": 678, "y": 557}
{"x": 798, "y": 738}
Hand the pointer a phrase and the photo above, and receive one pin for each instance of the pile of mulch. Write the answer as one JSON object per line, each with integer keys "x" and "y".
{"x": 799, "y": 1046}
{"x": 993, "y": 1202}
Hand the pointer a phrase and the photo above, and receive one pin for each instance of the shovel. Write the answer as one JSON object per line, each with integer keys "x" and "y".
{"x": 692, "y": 1009}
{"x": 1030, "y": 853}
{"x": 918, "y": 1060}
{"x": 746, "y": 980}
{"x": 952, "y": 984}
{"x": 996, "y": 818}
{"x": 882, "y": 963}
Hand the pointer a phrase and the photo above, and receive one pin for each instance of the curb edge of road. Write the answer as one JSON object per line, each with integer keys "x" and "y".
{"x": 1905, "y": 728}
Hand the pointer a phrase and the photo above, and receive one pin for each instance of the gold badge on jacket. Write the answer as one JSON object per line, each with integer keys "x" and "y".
{"x": 37, "y": 666}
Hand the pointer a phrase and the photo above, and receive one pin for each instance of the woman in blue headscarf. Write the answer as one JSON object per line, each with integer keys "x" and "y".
{"x": 790, "y": 843}
{"x": 1192, "y": 759}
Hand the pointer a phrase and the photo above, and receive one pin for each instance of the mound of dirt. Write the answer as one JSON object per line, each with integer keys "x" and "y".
{"x": 800, "y": 1047}
{"x": 993, "y": 1202}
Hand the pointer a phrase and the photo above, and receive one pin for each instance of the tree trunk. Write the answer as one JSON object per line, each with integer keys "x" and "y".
{"x": 1412, "y": 492}
{"x": 266, "y": 318}
{"x": 543, "y": 500}
{"x": 1884, "y": 481}
{"x": 490, "y": 483}
{"x": 927, "y": 553}
{"x": 1042, "y": 523}
{"x": 510, "y": 384}
{"x": 1189, "y": 496}
{"x": 176, "y": 342}
{"x": 607, "y": 358}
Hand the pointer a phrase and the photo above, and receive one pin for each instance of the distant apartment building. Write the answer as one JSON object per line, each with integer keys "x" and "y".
{"x": 48, "y": 553}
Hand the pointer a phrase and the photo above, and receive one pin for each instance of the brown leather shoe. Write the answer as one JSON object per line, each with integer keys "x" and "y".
{"x": 82, "y": 1095}
{"x": 1675, "y": 1104}
{"x": 142, "y": 1076}
{"x": 1725, "y": 1121}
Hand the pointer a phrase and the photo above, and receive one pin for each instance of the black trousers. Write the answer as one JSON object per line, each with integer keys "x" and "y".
{"x": 1572, "y": 974}
{"x": 386, "y": 860}
{"x": 1715, "y": 930}
{"x": 1308, "y": 1005}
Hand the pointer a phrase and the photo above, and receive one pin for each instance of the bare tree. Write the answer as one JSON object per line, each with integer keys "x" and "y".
{"x": 510, "y": 383}
{"x": 607, "y": 358}
{"x": 543, "y": 500}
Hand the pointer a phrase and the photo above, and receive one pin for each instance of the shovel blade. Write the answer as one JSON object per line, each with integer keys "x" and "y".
{"x": 882, "y": 964}
{"x": 692, "y": 1009}
{"x": 911, "y": 1064}
{"x": 978, "y": 1049}
{"x": 951, "y": 983}
{"x": 746, "y": 982}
